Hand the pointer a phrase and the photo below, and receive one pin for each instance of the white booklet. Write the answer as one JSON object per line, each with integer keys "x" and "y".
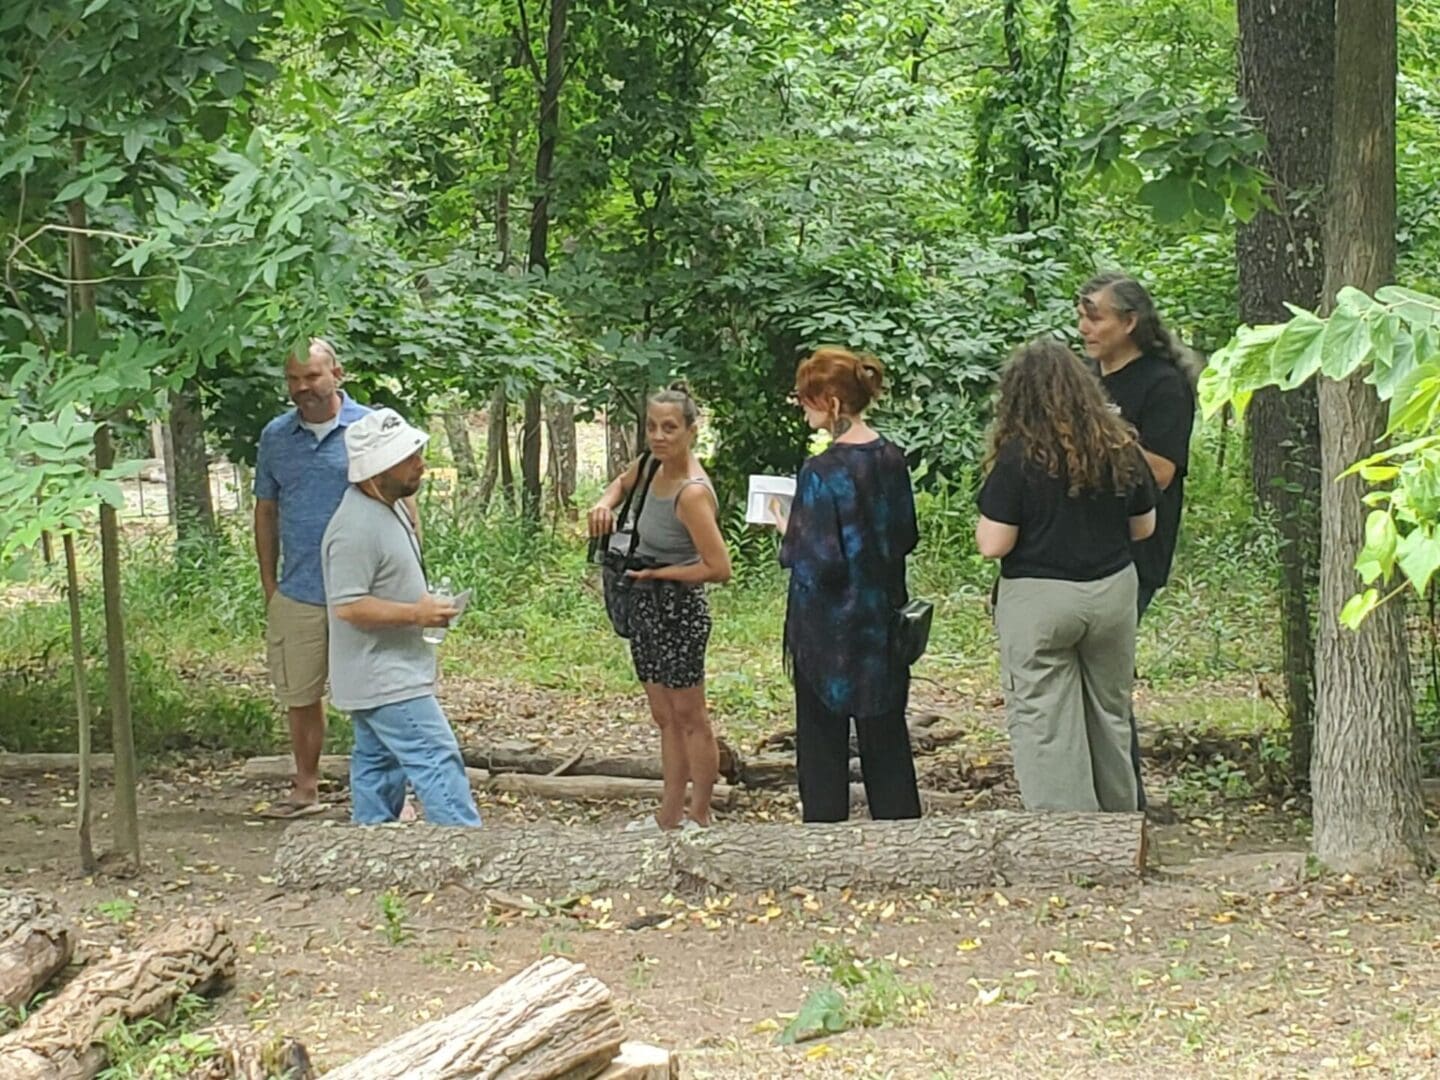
{"x": 762, "y": 490}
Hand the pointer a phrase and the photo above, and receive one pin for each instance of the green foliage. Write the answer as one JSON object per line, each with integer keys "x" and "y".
{"x": 1393, "y": 341}
{"x": 394, "y": 913}
{"x": 155, "y": 1049}
{"x": 860, "y": 993}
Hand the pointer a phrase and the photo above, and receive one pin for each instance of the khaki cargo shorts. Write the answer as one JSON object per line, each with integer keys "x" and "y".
{"x": 297, "y": 650}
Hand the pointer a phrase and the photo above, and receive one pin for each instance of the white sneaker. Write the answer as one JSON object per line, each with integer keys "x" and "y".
{"x": 645, "y": 824}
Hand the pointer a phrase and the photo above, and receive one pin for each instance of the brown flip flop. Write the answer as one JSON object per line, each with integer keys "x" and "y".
{"x": 286, "y": 810}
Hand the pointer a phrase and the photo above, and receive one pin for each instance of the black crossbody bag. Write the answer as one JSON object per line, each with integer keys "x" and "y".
{"x": 912, "y": 630}
{"x": 616, "y": 553}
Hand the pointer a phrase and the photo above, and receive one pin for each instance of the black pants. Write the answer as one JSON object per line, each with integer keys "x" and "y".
{"x": 822, "y": 760}
{"x": 1147, "y": 593}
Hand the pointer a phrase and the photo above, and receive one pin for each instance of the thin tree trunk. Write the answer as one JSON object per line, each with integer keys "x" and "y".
{"x": 1287, "y": 76}
{"x": 497, "y": 450}
{"x": 167, "y": 461}
{"x": 548, "y": 127}
{"x": 457, "y": 431}
{"x": 125, "y": 821}
{"x": 1368, "y": 813}
{"x": 563, "y": 455}
{"x": 618, "y": 449}
{"x": 82, "y": 705}
{"x": 188, "y": 466}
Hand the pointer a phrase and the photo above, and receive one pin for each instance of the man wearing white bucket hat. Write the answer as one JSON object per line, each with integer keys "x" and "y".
{"x": 382, "y": 671}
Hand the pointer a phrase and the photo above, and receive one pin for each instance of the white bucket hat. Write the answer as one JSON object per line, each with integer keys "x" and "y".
{"x": 379, "y": 440}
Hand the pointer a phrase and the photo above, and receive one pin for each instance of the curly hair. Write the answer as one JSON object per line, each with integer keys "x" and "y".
{"x": 1057, "y": 409}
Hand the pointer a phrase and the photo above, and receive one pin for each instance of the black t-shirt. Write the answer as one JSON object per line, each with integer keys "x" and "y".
{"x": 1084, "y": 538}
{"x": 1156, "y": 398}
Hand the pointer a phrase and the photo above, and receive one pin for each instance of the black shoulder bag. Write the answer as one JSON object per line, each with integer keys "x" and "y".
{"x": 912, "y": 630}
{"x": 616, "y": 553}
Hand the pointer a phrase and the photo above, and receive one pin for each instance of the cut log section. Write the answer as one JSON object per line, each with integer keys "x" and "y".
{"x": 942, "y": 853}
{"x": 64, "y": 1039}
{"x": 591, "y": 788}
{"x": 34, "y": 946}
{"x": 641, "y": 1061}
{"x": 552, "y": 1020}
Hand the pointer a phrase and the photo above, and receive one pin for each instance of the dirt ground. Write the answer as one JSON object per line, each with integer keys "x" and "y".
{"x": 1226, "y": 961}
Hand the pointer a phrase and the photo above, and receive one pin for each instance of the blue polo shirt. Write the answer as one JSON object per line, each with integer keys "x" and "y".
{"x": 307, "y": 477}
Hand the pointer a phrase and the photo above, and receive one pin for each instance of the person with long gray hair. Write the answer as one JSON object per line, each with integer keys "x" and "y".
{"x": 1150, "y": 377}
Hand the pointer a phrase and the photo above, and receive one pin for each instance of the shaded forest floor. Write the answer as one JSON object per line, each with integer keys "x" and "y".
{"x": 1228, "y": 960}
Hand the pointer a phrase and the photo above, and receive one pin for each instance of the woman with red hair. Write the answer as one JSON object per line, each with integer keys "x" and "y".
{"x": 846, "y": 538}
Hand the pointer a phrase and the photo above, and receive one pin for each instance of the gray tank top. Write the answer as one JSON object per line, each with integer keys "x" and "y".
{"x": 663, "y": 536}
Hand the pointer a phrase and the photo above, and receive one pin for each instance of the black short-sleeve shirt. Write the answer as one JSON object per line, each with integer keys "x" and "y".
{"x": 1156, "y": 398}
{"x": 1084, "y": 538}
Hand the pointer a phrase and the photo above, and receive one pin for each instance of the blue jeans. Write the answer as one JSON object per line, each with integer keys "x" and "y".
{"x": 408, "y": 740}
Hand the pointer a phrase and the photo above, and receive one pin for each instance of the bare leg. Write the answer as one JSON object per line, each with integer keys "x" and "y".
{"x": 701, "y": 751}
{"x": 307, "y": 738}
{"x": 674, "y": 765}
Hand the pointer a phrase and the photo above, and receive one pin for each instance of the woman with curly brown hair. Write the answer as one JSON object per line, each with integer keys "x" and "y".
{"x": 1067, "y": 489}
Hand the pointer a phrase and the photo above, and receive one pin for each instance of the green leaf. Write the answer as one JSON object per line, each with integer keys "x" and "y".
{"x": 183, "y": 289}
{"x": 1297, "y": 352}
{"x": 822, "y": 1014}
{"x": 1168, "y": 196}
{"x": 1358, "y": 608}
{"x": 1419, "y": 556}
{"x": 75, "y": 189}
{"x": 1377, "y": 558}
{"x": 230, "y": 82}
{"x": 211, "y": 122}
{"x": 1347, "y": 343}
{"x": 133, "y": 143}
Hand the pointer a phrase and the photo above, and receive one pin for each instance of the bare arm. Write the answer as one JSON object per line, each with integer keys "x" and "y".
{"x": 696, "y": 510}
{"x": 1163, "y": 469}
{"x": 372, "y": 613}
{"x": 995, "y": 539}
{"x": 1142, "y": 526}
{"x": 601, "y": 519}
{"x": 267, "y": 544}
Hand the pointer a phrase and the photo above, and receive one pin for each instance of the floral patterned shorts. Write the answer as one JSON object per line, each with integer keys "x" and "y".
{"x": 669, "y": 630}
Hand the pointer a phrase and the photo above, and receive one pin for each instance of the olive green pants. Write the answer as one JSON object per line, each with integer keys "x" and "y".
{"x": 1067, "y": 663}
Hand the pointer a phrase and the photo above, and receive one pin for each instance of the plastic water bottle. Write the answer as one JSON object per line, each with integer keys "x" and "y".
{"x": 445, "y": 593}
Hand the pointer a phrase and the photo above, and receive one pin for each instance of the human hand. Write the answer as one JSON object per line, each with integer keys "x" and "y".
{"x": 601, "y": 520}
{"x": 430, "y": 611}
{"x": 646, "y": 574}
{"x": 777, "y": 509}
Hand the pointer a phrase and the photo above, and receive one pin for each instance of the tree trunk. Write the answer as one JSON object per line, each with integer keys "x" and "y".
{"x": 64, "y": 1039}
{"x": 1287, "y": 76}
{"x": 619, "y": 440}
{"x": 1365, "y": 780}
{"x": 563, "y": 455}
{"x": 35, "y": 946}
{"x": 188, "y": 468}
{"x": 83, "y": 718}
{"x": 125, "y": 822}
{"x": 931, "y": 853}
{"x": 457, "y": 431}
{"x": 548, "y": 129}
{"x": 497, "y": 450}
{"x": 553, "y": 1020}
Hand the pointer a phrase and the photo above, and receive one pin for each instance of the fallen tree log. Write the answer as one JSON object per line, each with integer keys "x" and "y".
{"x": 336, "y": 767}
{"x": 591, "y": 788}
{"x": 931, "y": 802}
{"x": 39, "y": 764}
{"x": 64, "y": 1039}
{"x": 552, "y": 1020}
{"x": 34, "y": 945}
{"x": 517, "y": 757}
{"x": 943, "y": 853}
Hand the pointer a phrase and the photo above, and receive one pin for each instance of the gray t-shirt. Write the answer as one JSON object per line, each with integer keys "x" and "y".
{"x": 369, "y": 549}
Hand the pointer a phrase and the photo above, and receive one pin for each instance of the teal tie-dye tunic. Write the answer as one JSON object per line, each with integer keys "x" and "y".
{"x": 851, "y": 526}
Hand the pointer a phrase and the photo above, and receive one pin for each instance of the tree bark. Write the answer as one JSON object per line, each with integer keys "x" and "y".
{"x": 457, "y": 431}
{"x": 563, "y": 455}
{"x": 619, "y": 439}
{"x": 125, "y": 823}
{"x": 939, "y": 853}
{"x": 35, "y": 946}
{"x": 1365, "y": 780}
{"x": 592, "y": 788}
{"x": 553, "y": 1020}
{"x": 64, "y": 1039}
{"x": 193, "y": 507}
{"x": 548, "y": 130}
{"x": 497, "y": 450}
{"x": 83, "y": 719}
{"x": 1287, "y": 76}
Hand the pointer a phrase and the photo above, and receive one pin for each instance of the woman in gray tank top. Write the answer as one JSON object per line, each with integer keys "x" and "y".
{"x": 681, "y": 545}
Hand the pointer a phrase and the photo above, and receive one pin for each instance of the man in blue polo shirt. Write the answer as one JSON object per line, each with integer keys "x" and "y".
{"x": 300, "y": 477}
